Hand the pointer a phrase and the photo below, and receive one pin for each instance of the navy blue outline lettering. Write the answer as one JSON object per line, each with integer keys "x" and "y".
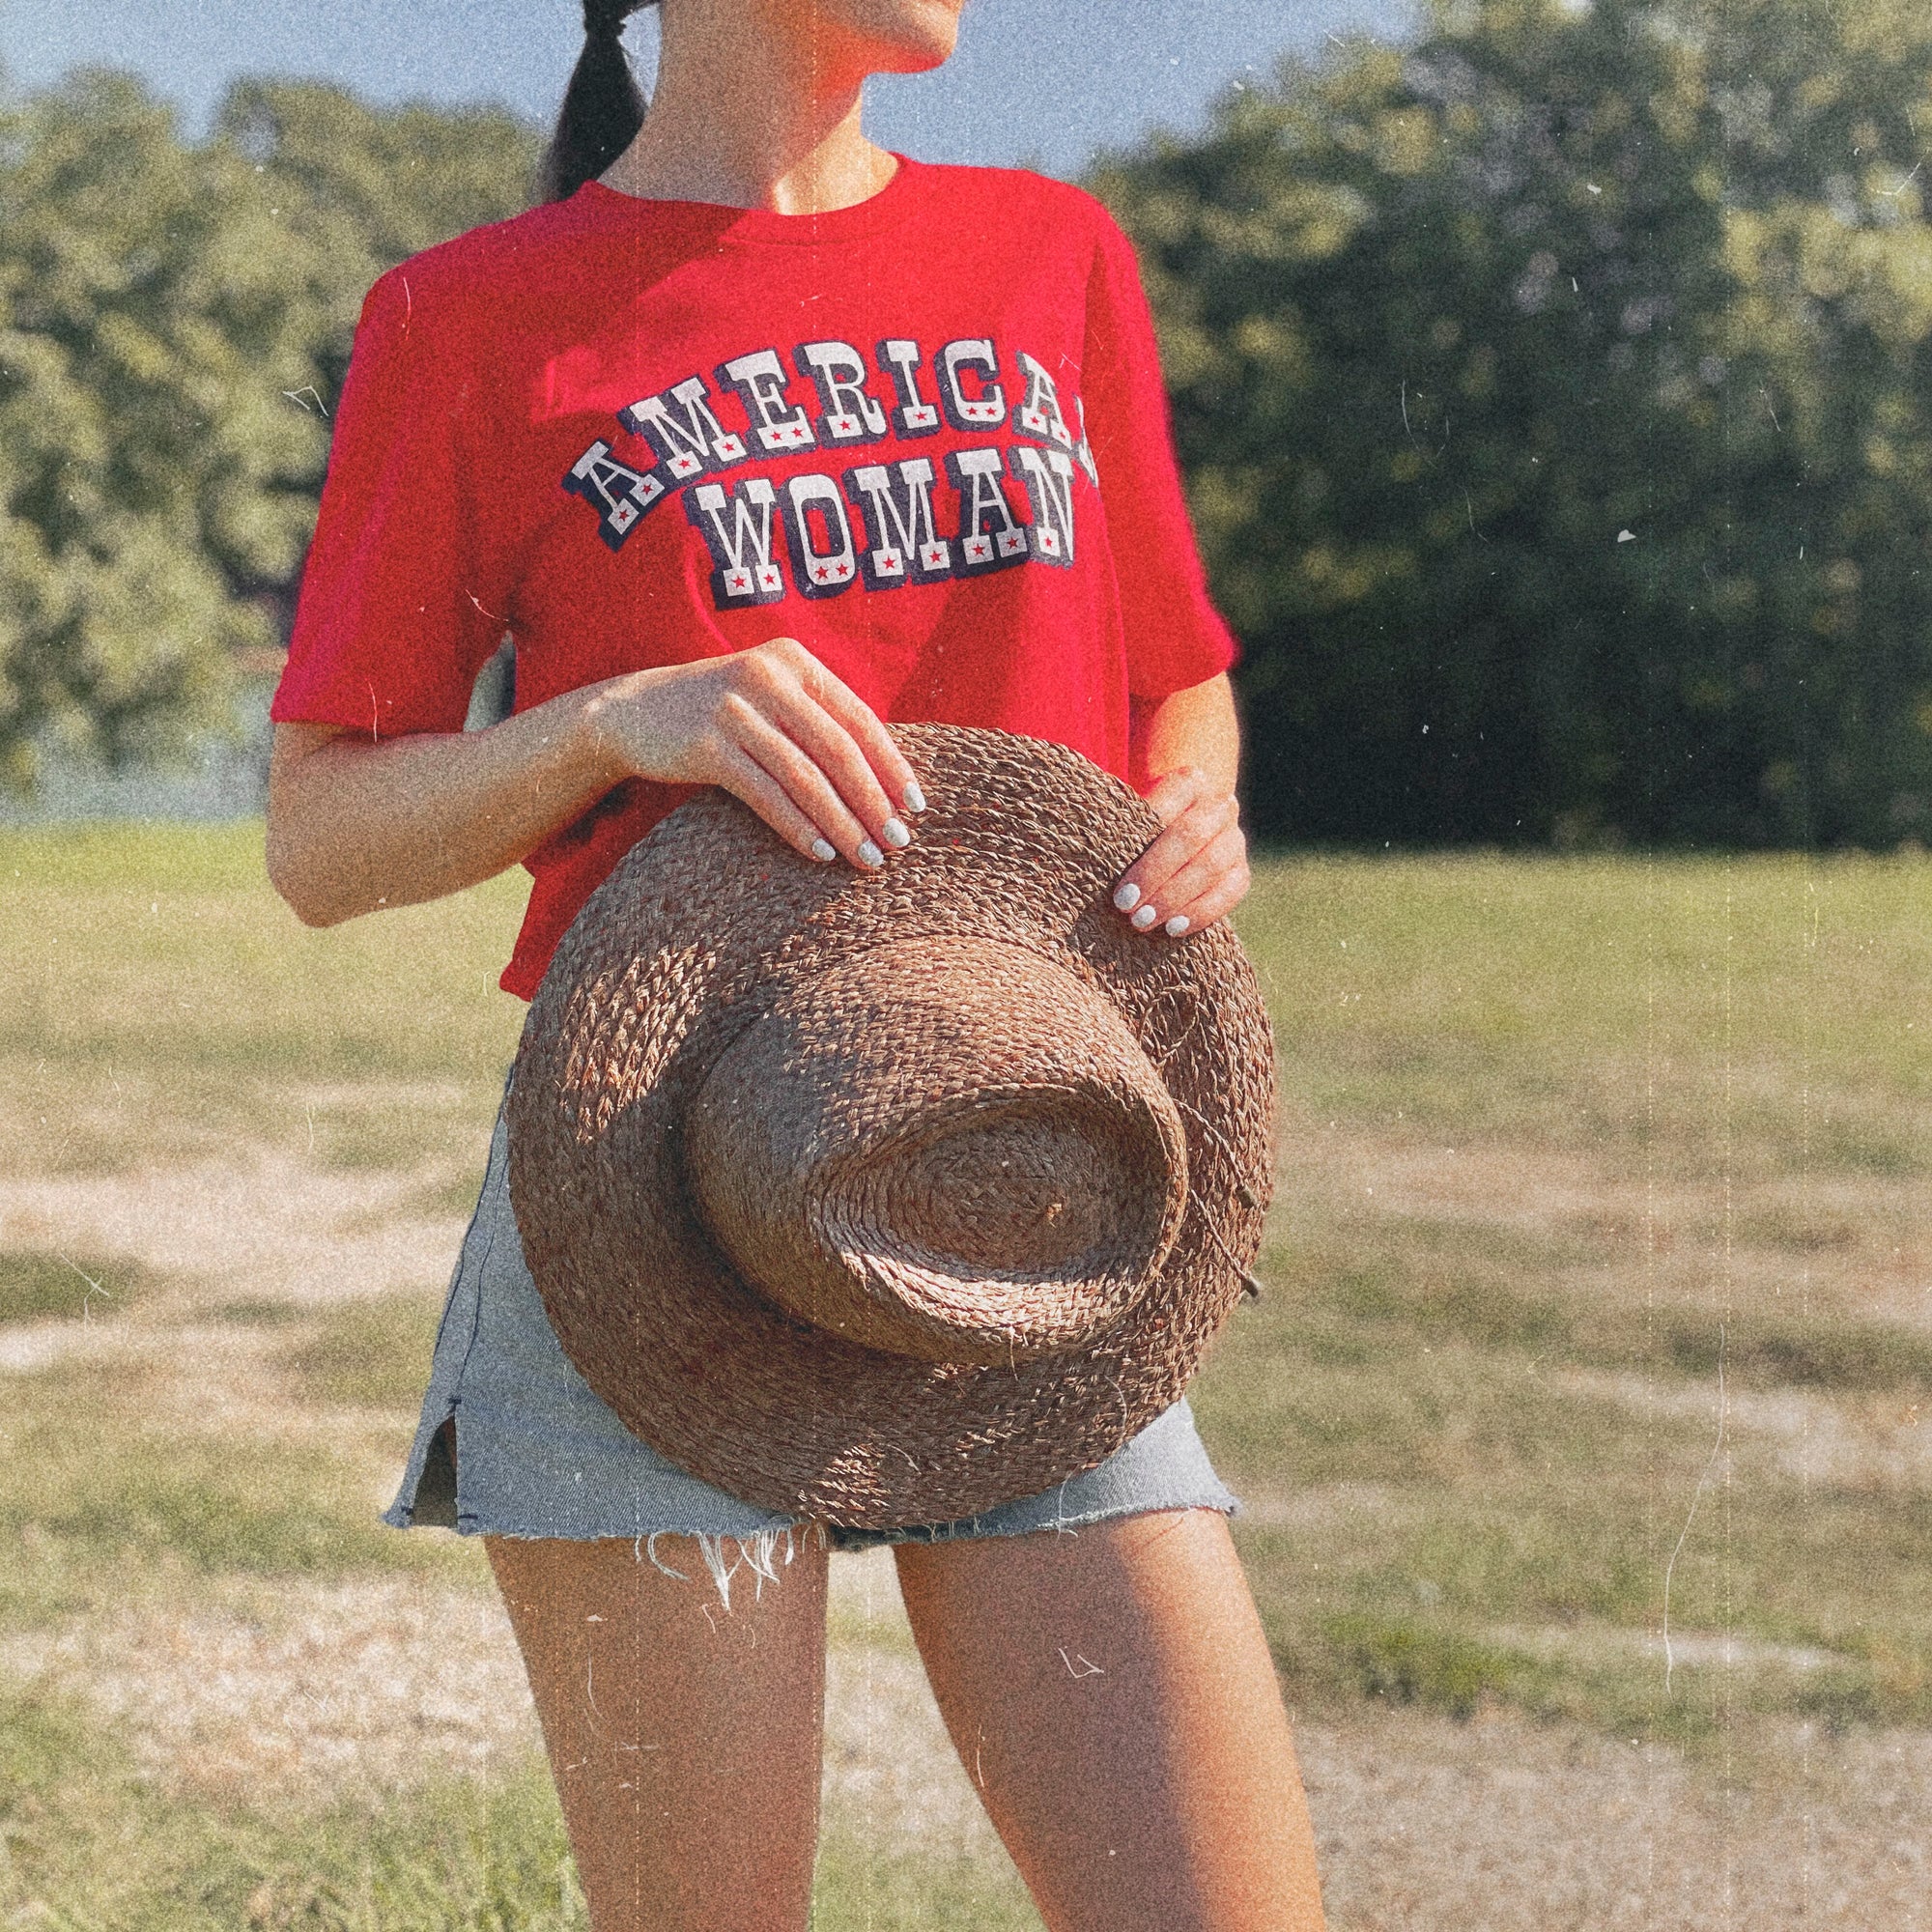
{"x": 841, "y": 427}
{"x": 1048, "y": 477}
{"x": 902, "y": 541}
{"x": 981, "y": 550}
{"x": 618, "y": 494}
{"x": 809, "y": 567}
{"x": 760, "y": 379}
{"x": 736, "y": 584}
{"x": 974, "y": 414}
{"x": 915, "y": 416}
{"x": 1037, "y": 413}
{"x": 689, "y": 449}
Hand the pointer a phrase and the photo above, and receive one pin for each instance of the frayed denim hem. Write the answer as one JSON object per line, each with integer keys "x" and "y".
{"x": 542, "y": 1457}
{"x": 428, "y": 1498}
{"x": 977, "y": 1528}
{"x": 758, "y": 1553}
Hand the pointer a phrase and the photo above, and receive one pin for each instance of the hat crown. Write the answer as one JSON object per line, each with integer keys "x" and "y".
{"x": 960, "y": 1157}
{"x": 631, "y": 1169}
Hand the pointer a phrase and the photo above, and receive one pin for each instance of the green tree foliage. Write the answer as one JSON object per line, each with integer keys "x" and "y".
{"x": 362, "y": 188}
{"x": 172, "y": 319}
{"x": 1553, "y": 396}
{"x": 1552, "y": 393}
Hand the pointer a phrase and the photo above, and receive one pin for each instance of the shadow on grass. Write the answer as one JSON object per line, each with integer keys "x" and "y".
{"x": 1403, "y": 1660}
{"x": 101, "y": 1496}
{"x": 373, "y": 1353}
{"x": 1437, "y": 1284}
{"x": 40, "y": 1286}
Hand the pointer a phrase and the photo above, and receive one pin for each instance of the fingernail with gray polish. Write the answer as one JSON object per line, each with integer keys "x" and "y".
{"x": 824, "y": 849}
{"x": 1144, "y": 918}
{"x": 869, "y": 854}
{"x": 897, "y": 833}
{"x": 1127, "y": 896}
{"x": 915, "y": 799}
{"x": 1177, "y": 925}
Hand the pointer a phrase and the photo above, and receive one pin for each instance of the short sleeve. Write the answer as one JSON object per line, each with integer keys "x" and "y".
{"x": 394, "y": 617}
{"x": 1174, "y": 636}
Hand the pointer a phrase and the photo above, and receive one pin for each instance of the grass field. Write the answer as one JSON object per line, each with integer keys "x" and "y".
{"x": 1581, "y": 1428}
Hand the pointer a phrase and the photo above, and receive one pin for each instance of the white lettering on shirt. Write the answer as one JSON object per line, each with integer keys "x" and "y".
{"x": 745, "y": 572}
{"x": 685, "y": 433}
{"x": 819, "y": 571}
{"x": 987, "y": 410}
{"x": 903, "y": 545}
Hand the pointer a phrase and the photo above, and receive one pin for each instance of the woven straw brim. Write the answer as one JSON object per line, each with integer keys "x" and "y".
{"x": 703, "y": 925}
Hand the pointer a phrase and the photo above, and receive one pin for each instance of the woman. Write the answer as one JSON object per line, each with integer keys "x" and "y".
{"x": 751, "y": 436}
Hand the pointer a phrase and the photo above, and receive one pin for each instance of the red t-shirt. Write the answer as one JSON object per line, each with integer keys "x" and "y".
{"x": 925, "y": 435}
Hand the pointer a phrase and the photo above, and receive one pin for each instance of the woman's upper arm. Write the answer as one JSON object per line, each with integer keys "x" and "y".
{"x": 392, "y": 622}
{"x": 389, "y": 629}
{"x": 295, "y": 810}
{"x": 1175, "y": 637}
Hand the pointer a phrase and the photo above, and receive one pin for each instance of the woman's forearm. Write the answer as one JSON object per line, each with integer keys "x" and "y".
{"x": 354, "y": 825}
{"x": 1196, "y": 727}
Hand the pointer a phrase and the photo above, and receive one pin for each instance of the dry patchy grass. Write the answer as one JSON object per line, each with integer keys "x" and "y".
{"x": 1581, "y": 1429}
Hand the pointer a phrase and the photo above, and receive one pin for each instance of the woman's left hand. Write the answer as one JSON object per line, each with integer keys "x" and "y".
{"x": 1196, "y": 870}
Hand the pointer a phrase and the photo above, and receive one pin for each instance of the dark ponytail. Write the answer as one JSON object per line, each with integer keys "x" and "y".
{"x": 603, "y": 107}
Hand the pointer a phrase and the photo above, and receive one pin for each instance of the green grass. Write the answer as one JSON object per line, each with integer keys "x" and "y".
{"x": 858, "y": 1888}
{"x": 1749, "y": 1015}
{"x": 1737, "y": 1054}
{"x": 1532, "y": 1459}
{"x": 370, "y": 1355}
{"x": 1479, "y": 1430}
{"x": 39, "y": 1286}
{"x": 101, "y": 1501}
{"x": 1438, "y": 1283}
{"x": 159, "y": 1002}
{"x": 87, "y": 1842}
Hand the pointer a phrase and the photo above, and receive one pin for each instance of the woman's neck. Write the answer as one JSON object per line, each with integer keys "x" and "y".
{"x": 763, "y": 121}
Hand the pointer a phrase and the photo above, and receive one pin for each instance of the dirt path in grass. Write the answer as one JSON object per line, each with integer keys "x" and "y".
{"x": 275, "y": 1229}
{"x": 1424, "y": 1823}
{"x": 1488, "y": 1826}
{"x": 1856, "y": 1244}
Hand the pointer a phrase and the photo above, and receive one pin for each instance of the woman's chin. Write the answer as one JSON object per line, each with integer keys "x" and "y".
{"x": 904, "y": 36}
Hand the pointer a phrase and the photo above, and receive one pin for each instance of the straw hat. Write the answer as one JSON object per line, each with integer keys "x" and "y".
{"x": 886, "y": 1197}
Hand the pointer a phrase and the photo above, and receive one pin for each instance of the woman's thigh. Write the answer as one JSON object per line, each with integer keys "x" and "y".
{"x": 685, "y": 1737}
{"x": 1112, "y": 1697}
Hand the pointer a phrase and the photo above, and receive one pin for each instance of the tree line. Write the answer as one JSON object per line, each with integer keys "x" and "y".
{"x": 1551, "y": 393}
{"x": 174, "y": 321}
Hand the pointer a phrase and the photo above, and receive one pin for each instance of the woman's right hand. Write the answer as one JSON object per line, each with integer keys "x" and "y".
{"x": 776, "y": 728}
{"x": 356, "y": 822}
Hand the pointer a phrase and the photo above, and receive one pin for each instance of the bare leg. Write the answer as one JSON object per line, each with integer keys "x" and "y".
{"x": 685, "y": 1738}
{"x": 1111, "y": 1694}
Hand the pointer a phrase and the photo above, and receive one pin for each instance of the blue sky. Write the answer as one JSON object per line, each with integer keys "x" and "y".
{"x": 1038, "y": 81}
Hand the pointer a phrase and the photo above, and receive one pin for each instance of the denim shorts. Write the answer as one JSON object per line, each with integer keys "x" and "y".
{"x": 536, "y": 1453}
